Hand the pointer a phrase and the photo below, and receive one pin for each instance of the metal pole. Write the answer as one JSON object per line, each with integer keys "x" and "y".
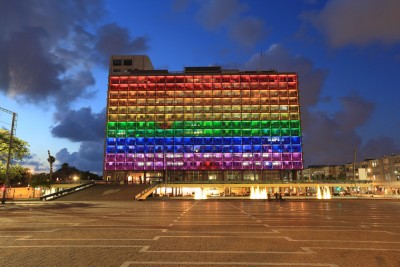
{"x": 354, "y": 169}
{"x": 7, "y": 180}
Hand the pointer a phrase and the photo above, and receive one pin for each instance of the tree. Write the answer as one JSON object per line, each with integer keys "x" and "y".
{"x": 41, "y": 180}
{"x": 20, "y": 149}
{"x": 66, "y": 172}
{"x": 330, "y": 177}
{"x": 51, "y": 160}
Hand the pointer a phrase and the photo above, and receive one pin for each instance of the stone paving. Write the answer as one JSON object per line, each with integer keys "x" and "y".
{"x": 201, "y": 233}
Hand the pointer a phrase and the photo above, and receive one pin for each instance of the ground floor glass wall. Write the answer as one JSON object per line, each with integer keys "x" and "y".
{"x": 212, "y": 176}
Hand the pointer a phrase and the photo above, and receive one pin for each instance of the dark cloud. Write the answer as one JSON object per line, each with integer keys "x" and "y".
{"x": 279, "y": 58}
{"x": 355, "y": 111}
{"x": 80, "y": 125}
{"x": 179, "y": 5}
{"x": 48, "y": 49}
{"x": 79, "y": 51}
{"x": 214, "y": 14}
{"x": 74, "y": 86}
{"x": 89, "y": 156}
{"x": 327, "y": 139}
{"x": 228, "y": 15}
{"x": 358, "y": 22}
{"x": 333, "y": 139}
{"x": 113, "y": 40}
{"x": 248, "y": 31}
{"x": 32, "y": 73}
{"x": 379, "y": 147}
{"x": 324, "y": 142}
{"x": 55, "y": 17}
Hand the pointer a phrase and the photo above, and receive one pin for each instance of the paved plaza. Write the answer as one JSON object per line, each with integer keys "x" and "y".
{"x": 334, "y": 232}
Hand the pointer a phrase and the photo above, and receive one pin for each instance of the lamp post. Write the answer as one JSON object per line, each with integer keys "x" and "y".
{"x": 354, "y": 169}
{"x": 7, "y": 181}
{"x": 30, "y": 181}
{"x": 30, "y": 171}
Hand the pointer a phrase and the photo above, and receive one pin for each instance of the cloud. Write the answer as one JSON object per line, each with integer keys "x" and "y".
{"x": 279, "y": 58}
{"x": 55, "y": 17}
{"x": 214, "y": 14}
{"x": 248, "y": 31}
{"x": 74, "y": 86}
{"x": 228, "y": 15}
{"x": 33, "y": 162}
{"x": 80, "y": 125}
{"x": 355, "y": 111}
{"x": 121, "y": 43}
{"x": 88, "y": 158}
{"x": 48, "y": 49}
{"x": 327, "y": 139}
{"x": 333, "y": 139}
{"x": 358, "y": 22}
{"x": 379, "y": 147}
{"x": 324, "y": 142}
{"x": 32, "y": 73}
{"x": 180, "y": 5}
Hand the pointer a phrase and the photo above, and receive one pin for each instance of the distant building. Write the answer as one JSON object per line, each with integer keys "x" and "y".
{"x": 322, "y": 172}
{"x": 385, "y": 169}
{"x": 203, "y": 124}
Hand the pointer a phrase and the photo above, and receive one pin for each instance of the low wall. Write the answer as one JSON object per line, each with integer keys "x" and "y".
{"x": 28, "y": 192}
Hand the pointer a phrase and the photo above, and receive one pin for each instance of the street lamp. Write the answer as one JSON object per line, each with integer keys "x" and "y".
{"x": 30, "y": 181}
{"x": 75, "y": 178}
{"x": 30, "y": 171}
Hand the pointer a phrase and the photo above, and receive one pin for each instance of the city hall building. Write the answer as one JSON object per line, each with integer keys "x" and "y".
{"x": 201, "y": 125}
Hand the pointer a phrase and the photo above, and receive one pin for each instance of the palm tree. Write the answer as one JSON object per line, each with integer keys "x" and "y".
{"x": 51, "y": 160}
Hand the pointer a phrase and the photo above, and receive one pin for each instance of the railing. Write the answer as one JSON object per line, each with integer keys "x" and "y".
{"x": 66, "y": 191}
{"x": 141, "y": 195}
{"x": 310, "y": 182}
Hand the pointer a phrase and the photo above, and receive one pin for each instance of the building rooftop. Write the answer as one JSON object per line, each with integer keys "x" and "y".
{"x": 141, "y": 65}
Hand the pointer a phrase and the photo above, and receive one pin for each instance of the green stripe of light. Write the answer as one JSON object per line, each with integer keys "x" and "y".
{"x": 151, "y": 125}
{"x": 205, "y": 129}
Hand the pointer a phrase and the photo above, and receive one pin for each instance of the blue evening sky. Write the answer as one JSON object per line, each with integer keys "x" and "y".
{"x": 54, "y": 56}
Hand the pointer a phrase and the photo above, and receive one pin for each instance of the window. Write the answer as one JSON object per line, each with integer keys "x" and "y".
{"x": 117, "y": 62}
{"x": 127, "y": 62}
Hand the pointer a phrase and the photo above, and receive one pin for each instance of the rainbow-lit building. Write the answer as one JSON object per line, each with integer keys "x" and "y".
{"x": 204, "y": 124}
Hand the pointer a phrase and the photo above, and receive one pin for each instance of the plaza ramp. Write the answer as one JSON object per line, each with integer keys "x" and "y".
{"x": 146, "y": 192}
{"x": 105, "y": 192}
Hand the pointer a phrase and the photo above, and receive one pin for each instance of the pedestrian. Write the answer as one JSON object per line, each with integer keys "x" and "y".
{"x": 276, "y": 196}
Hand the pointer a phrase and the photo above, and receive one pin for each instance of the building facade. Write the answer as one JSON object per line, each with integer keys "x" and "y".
{"x": 202, "y": 124}
{"x": 384, "y": 170}
{"x": 323, "y": 172}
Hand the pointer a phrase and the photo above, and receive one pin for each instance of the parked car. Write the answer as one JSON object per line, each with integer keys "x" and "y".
{"x": 345, "y": 193}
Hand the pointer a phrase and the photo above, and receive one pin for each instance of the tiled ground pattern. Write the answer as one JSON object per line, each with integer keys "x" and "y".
{"x": 201, "y": 233}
